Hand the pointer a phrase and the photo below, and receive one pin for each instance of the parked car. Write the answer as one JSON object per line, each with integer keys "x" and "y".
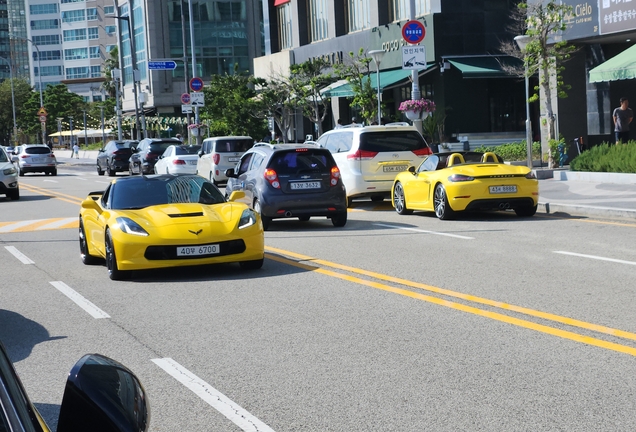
{"x": 147, "y": 153}
{"x": 290, "y": 181}
{"x": 156, "y": 221}
{"x": 8, "y": 176}
{"x": 447, "y": 183}
{"x": 178, "y": 159}
{"x": 217, "y": 154}
{"x": 101, "y": 394}
{"x": 369, "y": 157}
{"x": 114, "y": 157}
{"x": 35, "y": 158}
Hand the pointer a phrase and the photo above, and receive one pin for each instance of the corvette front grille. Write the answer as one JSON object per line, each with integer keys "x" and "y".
{"x": 230, "y": 247}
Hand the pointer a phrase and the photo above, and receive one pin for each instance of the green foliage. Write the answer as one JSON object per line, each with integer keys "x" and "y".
{"x": 433, "y": 126}
{"x": 307, "y": 80}
{"x": 607, "y": 158}
{"x": 357, "y": 72}
{"x": 513, "y": 151}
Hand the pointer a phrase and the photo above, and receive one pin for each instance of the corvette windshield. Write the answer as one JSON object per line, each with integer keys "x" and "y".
{"x": 141, "y": 192}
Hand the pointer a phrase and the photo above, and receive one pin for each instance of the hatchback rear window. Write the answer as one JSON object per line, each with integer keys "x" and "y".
{"x": 233, "y": 146}
{"x": 37, "y": 150}
{"x": 391, "y": 141}
{"x": 302, "y": 160}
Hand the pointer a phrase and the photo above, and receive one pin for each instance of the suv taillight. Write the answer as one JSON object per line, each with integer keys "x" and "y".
{"x": 335, "y": 175}
{"x": 272, "y": 178}
{"x": 423, "y": 152}
{"x": 216, "y": 158}
{"x": 362, "y": 155}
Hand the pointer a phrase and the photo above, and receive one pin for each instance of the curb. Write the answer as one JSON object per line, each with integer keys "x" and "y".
{"x": 580, "y": 210}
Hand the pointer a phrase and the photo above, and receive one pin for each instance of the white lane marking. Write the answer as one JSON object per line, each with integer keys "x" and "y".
{"x": 80, "y": 300}
{"x": 51, "y": 181}
{"x": 209, "y": 394}
{"x": 103, "y": 182}
{"x": 56, "y": 224}
{"x": 596, "y": 257}
{"x": 426, "y": 232}
{"x": 19, "y": 255}
{"x": 17, "y": 225}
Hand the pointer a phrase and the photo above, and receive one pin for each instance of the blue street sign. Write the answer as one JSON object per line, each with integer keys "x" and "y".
{"x": 196, "y": 84}
{"x": 162, "y": 65}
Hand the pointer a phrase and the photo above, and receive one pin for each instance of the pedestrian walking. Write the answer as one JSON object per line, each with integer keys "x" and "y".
{"x": 179, "y": 137}
{"x": 75, "y": 151}
{"x": 623, "y": 116}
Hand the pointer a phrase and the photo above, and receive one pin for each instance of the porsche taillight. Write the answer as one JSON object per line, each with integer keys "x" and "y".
{"x": 272, "y": 178}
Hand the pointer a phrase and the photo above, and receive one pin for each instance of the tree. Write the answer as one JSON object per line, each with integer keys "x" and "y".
{"x": 112, "y": 62}
{"x": 275, "y": 99}
{"x": 357, "y": 71}
{"x": 307, "y": 80}
{"x": 22, "y": 91}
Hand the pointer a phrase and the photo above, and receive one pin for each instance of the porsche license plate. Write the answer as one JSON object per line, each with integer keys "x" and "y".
{"x": 305, "y": 185}
{"x": 503, "y": 189}
{"x": 208, "y": 249}
{"x": 394, "y": 168}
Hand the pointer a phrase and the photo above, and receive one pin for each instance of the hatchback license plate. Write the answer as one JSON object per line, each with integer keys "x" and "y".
{"x": 305, "y": 185}
{"x": 394, "y": 168}
{"x": 503, "y": 189}
{"x": 208, "y": 249}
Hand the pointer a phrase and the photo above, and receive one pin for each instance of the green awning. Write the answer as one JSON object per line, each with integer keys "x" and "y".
{"x": 484, "y": 66}
{"x": 619, "y": 67}
{"x": 387, "y": 79}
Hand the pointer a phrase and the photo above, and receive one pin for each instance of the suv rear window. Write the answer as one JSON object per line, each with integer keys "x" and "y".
{"x": 303, "y": 160}
{"x": 391, "y": 141}
{"x": 37, "y": 150}
{"x": 233, "y": 146}
{"x": 186, "y": 150}
{"x": 160, "y": 147}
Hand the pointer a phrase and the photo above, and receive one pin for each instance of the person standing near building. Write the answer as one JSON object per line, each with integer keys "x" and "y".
{"x": 623, "y": 116}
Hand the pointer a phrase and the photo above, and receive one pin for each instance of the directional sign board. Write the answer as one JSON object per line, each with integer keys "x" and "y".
{"x": 413, "y": 32}
{"x": 196, "y": 84}
{"x": 185, "y": 98}
{"x": 197, "y": 99}
{"x": 186, "y": 109}
{"x": 414, "y": 57}
{"x": 162, "y": 65}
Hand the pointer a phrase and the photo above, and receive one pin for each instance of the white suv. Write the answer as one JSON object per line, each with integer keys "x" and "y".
{"x": 218, "y": 154}
{"x": 369, "y": 157}
{"x": 8, "y": 176}
{"x": 35, "y": 158}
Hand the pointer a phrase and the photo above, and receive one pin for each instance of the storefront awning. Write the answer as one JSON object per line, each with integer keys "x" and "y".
{"x": 484, "y": 66}
{"x": 619, "y": 67}
{"x": 388, "y": 79}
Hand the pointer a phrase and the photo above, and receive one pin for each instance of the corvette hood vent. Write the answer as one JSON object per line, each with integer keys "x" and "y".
{"x": 182, "y": 215}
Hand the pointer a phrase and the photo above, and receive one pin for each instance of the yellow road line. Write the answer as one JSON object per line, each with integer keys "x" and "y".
{"x": 64, "y": 197}
{"x": 526, "y": 311}
{"x": 468, "y": 309}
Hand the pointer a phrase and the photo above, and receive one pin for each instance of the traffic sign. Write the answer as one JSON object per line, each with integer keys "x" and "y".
{"x": 162, "y": 65}
{"x": 42, "y": 112}
{"x": 186, "y": 109}
{"x": 413, "y": 32}
{"x": 42, "y": 119}
{"x": 196, "y": 84}
{"x": 185, "y": 98}
{"x": 197, "y": 99}
{"x": 414, "y": 57}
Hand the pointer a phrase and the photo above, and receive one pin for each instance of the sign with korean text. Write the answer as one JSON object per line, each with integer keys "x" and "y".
{"x": 196, "y": 84}
{"x": 413, "y": 32}
{"x": 197, "y": 99}
{"x": 162, "y": 65}
{"x": 186, "y": 109}
{"x": 616, "y": 16}
{"x": 414, "y": 57}
{"x": 582, "y": 22}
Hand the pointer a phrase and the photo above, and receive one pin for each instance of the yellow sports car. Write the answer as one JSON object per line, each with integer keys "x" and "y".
{"x": 465, "y": 181}
{"x": 167, "y": 220}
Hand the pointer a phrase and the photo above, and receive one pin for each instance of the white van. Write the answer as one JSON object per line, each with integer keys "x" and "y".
{"x": 220, "y": 153}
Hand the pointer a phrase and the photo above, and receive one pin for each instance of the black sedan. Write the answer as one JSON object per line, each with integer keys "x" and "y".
{"x": 114, "y": 157}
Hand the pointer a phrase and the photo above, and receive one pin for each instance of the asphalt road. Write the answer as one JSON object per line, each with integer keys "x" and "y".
{"x": 392, "y": 323}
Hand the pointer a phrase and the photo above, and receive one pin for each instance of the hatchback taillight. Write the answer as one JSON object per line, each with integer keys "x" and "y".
{"x": 362, "y": 155}
{"x": 335, "y": 175}
{"x": 216, "y": 158}
{"x": 423, "y": 152}
{"x": 272, "y": 178}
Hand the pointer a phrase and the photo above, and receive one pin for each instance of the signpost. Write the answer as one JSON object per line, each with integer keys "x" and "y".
{"x": 196, "y": 84}
{"x": 413, "y": 31}
{"x": 162, "y": 65}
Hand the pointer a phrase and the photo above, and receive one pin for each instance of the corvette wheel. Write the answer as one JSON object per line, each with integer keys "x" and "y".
{"x": 399, "y": 202}
{"x": 252, "y": 265}
{"x": 440, "y": 202}
{"x": 87, "y": 259}
{"x": 264, "y": 219}
{"x": 111, "y": 261}
{"x": 526, "y": 211}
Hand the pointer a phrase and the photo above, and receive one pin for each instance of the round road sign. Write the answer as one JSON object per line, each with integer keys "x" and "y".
{"x": 413, "y": 32}
{"x": 185, "y": 98}
{"x": 196, "y": 84}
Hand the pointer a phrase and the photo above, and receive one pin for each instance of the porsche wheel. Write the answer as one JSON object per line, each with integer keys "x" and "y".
{"x": 111, "y": 260}
{"x": 399, "y": 202}
{"x": 526, "y": 211}
{"x": 87, "y": 258}
{"x": 252, "y": 265}
{"x": 340, "y": 219}
{"x": 440, "y": 202}
{"x": 264, "y": 219}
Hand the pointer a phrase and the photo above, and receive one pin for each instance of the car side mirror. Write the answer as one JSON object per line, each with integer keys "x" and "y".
{"x": 236, "y": 195}
{"x": 411, "y": 169}
{"x": 102, "y": 150}
{"x": 230, "y": 173}
{"x": 14, "y": 158}
{"x": 200, "y": 153}
{"x": 91, "y": 203}
{"x": 103, "y": 395}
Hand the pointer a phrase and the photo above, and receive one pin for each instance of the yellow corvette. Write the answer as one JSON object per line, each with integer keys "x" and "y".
{"x": 465, "y": 181}
{"x": 167, "y": 220}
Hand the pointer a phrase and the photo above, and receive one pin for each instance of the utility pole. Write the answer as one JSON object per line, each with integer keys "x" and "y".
{"x": 197, "y": 121}
{"x": 185, "y": 57}
{"x": 415, "y": 89}
{"x": 116, "y": 74}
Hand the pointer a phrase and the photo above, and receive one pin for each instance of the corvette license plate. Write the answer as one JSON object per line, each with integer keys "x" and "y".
{"x": 208, "y": 249}
{"x": 503, "y": 189}
{"x": 305, "y": 185}
{"x": 394, "y": 168}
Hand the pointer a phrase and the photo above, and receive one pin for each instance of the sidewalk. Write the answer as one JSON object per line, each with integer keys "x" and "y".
{"x": 605, "y": 195}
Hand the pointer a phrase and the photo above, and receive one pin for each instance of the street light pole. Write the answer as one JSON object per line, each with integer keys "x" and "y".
{"x": 522, "y": 42}
{"x": 197, "y": 120}
{"x": 15, "y": 124}
{"x": 133, "y": 59}
{"x": 377, "y": 58}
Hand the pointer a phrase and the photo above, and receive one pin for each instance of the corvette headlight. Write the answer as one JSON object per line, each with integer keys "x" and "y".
{"x": 10, "y": 171}
{"x": 248, "y": 218}
{"x": 129, "y": 226}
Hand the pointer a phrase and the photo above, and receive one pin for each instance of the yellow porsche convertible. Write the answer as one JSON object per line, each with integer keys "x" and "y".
{"x": 447, "y": 183}
{"x": 167, "y": 220}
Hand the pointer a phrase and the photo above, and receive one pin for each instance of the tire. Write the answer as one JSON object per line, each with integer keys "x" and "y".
{"x": 111, "y": 260}
{"x": 87, "y": 258}
{"x": 264, "y": 219}
{"x": 340, "y": 219}
{"x": 304, "y": 218}
{"x": 20, "y": 172}
{"x": 399, "y": 201}
{"x": 14, "y": 195}
{"x": 349, "y": 202}
{"x": 440, "y": 203}
{"x": 252, "y": 265}
{"x": 111, "y": 172}
{"x": 53, "y": 172}
{"x": 526, "y": 211}
{"x": 100, "y": 171}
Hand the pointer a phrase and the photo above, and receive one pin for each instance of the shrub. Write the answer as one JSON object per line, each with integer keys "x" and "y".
{"x": 607, "y": 158}
{"x": 513, "y": 151}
